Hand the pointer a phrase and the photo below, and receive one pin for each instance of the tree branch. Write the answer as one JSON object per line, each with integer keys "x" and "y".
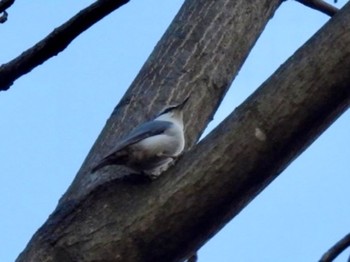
{"x": 200, "y": 53}
{"x": 170, "y": 218}
{"x": 336, "y": 250}
{"x": 321, "y": 6}
{"x": 56, "y": 41}
{"x": 4, "y": 4}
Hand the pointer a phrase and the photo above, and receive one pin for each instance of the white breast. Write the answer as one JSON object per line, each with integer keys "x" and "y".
{"x": 170, "y": 143}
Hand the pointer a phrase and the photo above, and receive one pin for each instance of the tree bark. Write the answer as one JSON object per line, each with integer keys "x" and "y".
{"x": 104, "y": 218}
{"x": 200, "y": 53}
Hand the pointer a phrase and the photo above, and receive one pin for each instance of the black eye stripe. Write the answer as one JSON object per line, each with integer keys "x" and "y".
{"x": 167, "y": 110}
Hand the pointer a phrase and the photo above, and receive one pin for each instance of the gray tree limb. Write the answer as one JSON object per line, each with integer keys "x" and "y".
{"x": 56, "y": 41}
{"x": 201, "y": 52}
{"x": 336, "y": 250}
{"x": 321, "y": 6}
{"x": 110, "y": 219}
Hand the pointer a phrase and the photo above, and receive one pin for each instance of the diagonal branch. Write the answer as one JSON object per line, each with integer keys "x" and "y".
{"x": 321, "y": 6}
{"x": 200, "y": 53}
{"x": 335, "y": 250}
{"x": 170, "y": 218}
{"x": 56, "y": 41}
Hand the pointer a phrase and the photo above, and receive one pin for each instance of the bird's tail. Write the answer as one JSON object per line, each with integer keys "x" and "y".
{"x": 100, "y": 165}
{"x": 118, "y": 158}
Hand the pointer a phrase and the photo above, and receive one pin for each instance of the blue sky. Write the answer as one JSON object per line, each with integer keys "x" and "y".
{"x": 51, "y": 117}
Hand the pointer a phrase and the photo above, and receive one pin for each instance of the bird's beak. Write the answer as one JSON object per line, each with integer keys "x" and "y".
{"x": 183, "y": 103}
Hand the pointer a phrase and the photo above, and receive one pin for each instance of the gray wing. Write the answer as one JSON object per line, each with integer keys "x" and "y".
{"x": 143, "y": 131}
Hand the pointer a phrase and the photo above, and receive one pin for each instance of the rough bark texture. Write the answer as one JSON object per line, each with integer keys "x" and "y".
{"x": 56, "y": 41}
{"x": 200, "y": 53}
{"x": 168, "y": 219}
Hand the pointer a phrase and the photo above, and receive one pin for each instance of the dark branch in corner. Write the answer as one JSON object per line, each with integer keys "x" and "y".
{"x": 336, "y": 250}
{"x": 321, "y": 6}
{"x": 56, "y": 41}
{"x": 4, "y": 4}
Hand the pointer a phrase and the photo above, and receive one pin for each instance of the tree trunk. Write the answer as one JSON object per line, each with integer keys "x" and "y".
{"x": 104, "y": 218}
{"x": 200, "y": 53}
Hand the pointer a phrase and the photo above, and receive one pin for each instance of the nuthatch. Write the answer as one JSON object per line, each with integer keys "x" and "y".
{"x": 151, "y": 147}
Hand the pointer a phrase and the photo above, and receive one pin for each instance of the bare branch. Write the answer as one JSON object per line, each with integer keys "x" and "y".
{"x": 321, "y": 6}
{"x": 336, "y": 250}
{"x": 56, "y": 41}
{"x": 198, "y": 54}
{"x": 202, "y": 50}
{"x": 4, "y": 4}
{"x": 213, "y": 182}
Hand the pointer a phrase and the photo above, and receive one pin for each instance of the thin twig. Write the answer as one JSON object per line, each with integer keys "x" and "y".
{"x": 4, "y": 4}
{"x": 321, "y": 6}
{"x": 56, "y": 41}
{"x": 335, "y": 250}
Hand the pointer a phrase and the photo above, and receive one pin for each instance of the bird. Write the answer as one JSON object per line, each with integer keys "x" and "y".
{"x": 151, "y": 147}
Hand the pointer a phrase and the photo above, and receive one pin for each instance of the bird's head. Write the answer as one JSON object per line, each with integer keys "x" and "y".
{"x": 173, "y": 111}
